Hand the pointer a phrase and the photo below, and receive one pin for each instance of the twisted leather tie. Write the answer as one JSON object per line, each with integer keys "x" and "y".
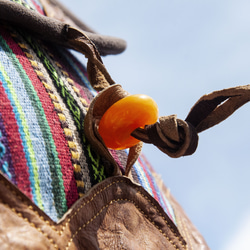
{"x": 178, "y": 138}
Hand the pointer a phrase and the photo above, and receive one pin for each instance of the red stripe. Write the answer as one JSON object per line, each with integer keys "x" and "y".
{"x": 116, "y": 158}
{"x": 61, "y": 144}
{"x": 149, "y": 179}
{"x": 38, "y": 7}
{"x": 151, "y": 169}
{"x": 15, "y": 143}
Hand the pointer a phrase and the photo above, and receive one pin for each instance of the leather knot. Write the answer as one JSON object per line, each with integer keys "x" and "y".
{"x": 177, "y": 138}
{"x": 172, "y": 136}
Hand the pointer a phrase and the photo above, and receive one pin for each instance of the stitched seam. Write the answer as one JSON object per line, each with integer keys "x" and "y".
{"x": 159, "y": 213}
{"x": 103, "y": 189}
{"x": 20, "y": 215}
{"x": 77, "y": 211}
{"x": 48, "y": 222}
{"x": 170, "y": 227}
{"x": 30, "y": 207}
{"x": 188, "y": 235}
{"x": 181, "y": 229}
{"x": 85, "y": 203}
{"x": 105, "y": 206}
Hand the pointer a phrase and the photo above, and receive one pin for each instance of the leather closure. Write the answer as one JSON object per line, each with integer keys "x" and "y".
{"x": 115, "y": 214}
{"x": 100, "y": 104}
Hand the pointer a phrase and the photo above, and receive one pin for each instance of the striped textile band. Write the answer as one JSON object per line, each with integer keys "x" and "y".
{"x": 44, "y": 97}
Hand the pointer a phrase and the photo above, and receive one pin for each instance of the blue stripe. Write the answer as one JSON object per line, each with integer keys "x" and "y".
{"x": 141, "y": 176}
{"x": 19, "y": 123}
{"x": 35, "y": 136}
{"x": 38, "y": 3}
{"x": 165, "y": 205}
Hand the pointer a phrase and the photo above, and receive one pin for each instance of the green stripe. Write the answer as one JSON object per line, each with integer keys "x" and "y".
{"x": 54, "y": 162}
{"x": 95, "y": 168}
{"x": 26, "y": 134}
{"x": 17, "y": 65}
{"x": 52, "y": 154}
{"x": 22, "y": 3}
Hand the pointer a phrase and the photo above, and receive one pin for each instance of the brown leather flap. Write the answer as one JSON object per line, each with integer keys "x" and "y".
{"x": 115, "y": 214}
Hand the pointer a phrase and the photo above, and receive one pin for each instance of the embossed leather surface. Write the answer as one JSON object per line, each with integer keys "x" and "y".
{"x": 115, "y": 214}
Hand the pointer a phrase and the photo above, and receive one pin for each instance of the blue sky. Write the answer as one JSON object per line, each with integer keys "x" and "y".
{"x": 177, "y": 52}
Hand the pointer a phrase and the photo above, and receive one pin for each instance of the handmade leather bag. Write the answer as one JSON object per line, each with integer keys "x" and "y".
{"x": 60, "y": 187}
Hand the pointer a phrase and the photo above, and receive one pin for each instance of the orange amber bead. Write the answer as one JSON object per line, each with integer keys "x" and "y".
{"x": 123, "y": 117}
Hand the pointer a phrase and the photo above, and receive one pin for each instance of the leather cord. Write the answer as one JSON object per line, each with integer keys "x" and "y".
{"x": 50, "y": 29}
{"x": 60, "y": 33}
{"x": 177, "y": 138}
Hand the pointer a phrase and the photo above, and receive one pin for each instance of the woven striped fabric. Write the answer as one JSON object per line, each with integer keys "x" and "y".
{"x": 44, "y": 96}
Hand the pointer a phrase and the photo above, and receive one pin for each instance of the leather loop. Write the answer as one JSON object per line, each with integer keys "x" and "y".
{"x": 215, "y": 107}
{"x": 178, "y": 138}
{"x": 171, "y": 135}
{"x": 97, "y": 108}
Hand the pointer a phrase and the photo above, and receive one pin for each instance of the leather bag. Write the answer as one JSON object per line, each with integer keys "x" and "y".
{"x": 115, "y": 212}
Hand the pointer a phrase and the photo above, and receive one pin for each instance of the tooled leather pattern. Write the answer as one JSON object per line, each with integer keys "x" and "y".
{"x": 115, "y": 214}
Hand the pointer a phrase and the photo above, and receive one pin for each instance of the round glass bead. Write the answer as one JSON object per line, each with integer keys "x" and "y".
{"x": 123, "y": 117}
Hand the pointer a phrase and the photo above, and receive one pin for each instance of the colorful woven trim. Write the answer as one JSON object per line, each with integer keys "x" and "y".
{"x": 44, "y": 98}
{"x": 31, "y": 4}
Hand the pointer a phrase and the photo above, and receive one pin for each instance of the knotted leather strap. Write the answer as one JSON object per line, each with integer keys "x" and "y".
{"x": 171, "y": 135}
{"x": 176, "y": 137}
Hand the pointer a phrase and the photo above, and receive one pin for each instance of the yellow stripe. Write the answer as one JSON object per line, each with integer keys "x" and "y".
{"x": 53, "y": 97}
{"x": 28, "y": 55}
{"x": 76, "y": 89}
{"x": 80, "y": 184}
{"x": 67, "y": 132}
{"x": 65, "y": 73}
{"x": 83, "y": 101}
{"x": 47, "y": 86}
{"x": 23, "y": 46}
{"x": 77, "y": 168}
{"x": 72, "y": 144}
{"x": 70, "y": 80}
{"x": 75, "y": 155}
{"x": 62, "y": 117}
{"x": 34, "y": 63}
{"x": 39, "y": 73}
{"x": 58, "y": 106}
